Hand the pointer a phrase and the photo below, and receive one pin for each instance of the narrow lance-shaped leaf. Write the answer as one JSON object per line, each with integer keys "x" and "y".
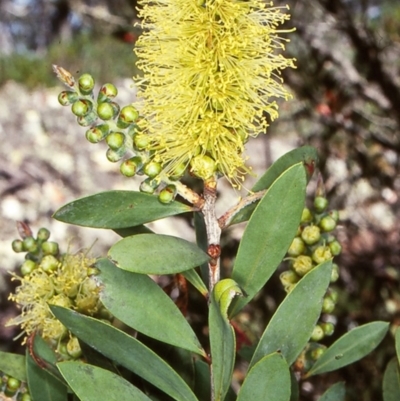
{"x": 292, "y": 324}
{"x": 102, "y": 383}
{"x": 140, "y": 303}
{"x": 127, "y": 351}
{"x": 391, "y": 381}
{"x": 117, "y": 209}
{"x": 222, "y": 337}
{"x": 13, "y": 365}
{"x": 156, "y": 254}
{"x": 267, "y": 380}
{"x": 269, "y": 233}
{"x": 397, "y": 343}
{"x": 351, "y": 347}
{"x": 337, "y": 392}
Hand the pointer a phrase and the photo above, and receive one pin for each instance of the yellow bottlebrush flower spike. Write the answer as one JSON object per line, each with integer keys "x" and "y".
{"x": 69, "y": 285}
{"x": 211, "y": 72}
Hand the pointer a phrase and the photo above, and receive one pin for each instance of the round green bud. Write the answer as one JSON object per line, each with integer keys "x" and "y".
{"x": 73, "y": 348}
{"x": 67, "y": 98}
{"x": 334, "y": 214}
{"x": 107, "y": 91}
{"x": 327, "y": 224}
{"x": 50, "y": 248}
{"x": 81, "y": 107}
{"x": 311, "y": 235}
{"x": 321, "y": 254}
{"x": 320, "y": 203}
{"x": 203, "y": 166}
{"x": 141, "y": 141}
{"x": 148, "y": 186}
{"x": 17, "y": 246}
{"x": 306, "y": 216}
{"x": 288, "y": 277}
{"x": 128, "y": 114}
{"x": 334, "y": 295}
{"x": 335, "y": 273}
{"x": 26, "y": 397}
{"x": 302, "y": 265}
{"x": 335, "y": 248}
{"x": 297, "y": 247}
{"x": 61, "y": 300}
{"x": 317, "y": 353}
{"x": 178, "y": 171}
{"x": 152, "y": 169}
{"x": 28, "y": 267}
{"x": 13, "y": 384}
{"x": 105, "y": 111}
{"x": 98, "y": 133}
{"x": 86, "y": 83}
{"x": 317, "y": 333}
{"x": 328, "y": 305}
{"x": 30, "y": 244}
{"x": 43, "y": 234}
{"x": 115, "y": 140}
{"x": 129, "y": 167}
{"x": 49, "y": 263}
{"x": 167, "y": 195}
{"x": 328, "y": 328}
{"x": 89, "y": 119}
{"x": 115, "y": 155}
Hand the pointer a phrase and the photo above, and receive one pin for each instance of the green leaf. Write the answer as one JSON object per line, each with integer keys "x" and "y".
{"x": 267, "y": 380}
{"x": 193, "y": 277}
{"x": 391, "y": 381}
{"x": 42, "y": 385}
{"x": 140, "y": 303}
{"x": 117, "y": 209}
{"x": 305, "y": 154}
{"x": 337, "y": 392}
{"x": 202, "y": 384}
{"x": 201, "y": 240}
{"x": 126, "y": 351}
{"x": 222, "y": 338}
{"x": 127, "y": 232}
{"x": 13, "y": 365}
{"x": 156, "y": 254}
{"x": 291, "y": 325}
{"x": 269, "y": 233}
{"x": 90, "y": 382}
{"x": 397, "y": 343}
{"x": 351, "y": 347}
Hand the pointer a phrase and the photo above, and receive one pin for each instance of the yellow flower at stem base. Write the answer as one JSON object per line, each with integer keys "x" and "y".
{"x": 211, "y": 71}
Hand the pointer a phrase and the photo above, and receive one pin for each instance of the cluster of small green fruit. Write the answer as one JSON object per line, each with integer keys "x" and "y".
{"x": 120, "y": 129}
{"x": 313, "y": 245}
{"x": 13, "y": 389}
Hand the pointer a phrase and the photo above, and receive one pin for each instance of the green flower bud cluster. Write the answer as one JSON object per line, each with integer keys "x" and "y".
{"x": 313, "y": 245}
{"x": 51, "y": 278}
{"x": 121, "y": 129}
{"x": 13, "y": 389}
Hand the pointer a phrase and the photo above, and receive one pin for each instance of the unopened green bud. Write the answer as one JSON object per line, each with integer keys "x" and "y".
{"x": 317, "y": 353}
{"x": 50, "y": 248}
{"x": 334, "y": 295}
{"x": 128, "y": 114}
{"x": 86, "y": 83}
{"x": 13, "y": 384}
{"x": 73, "y": 348}
{"x": 328, "y": 305}
{"x": 152, "y": 169}
{"x": 148, "y": 186}
{"x": 321, "y": 254}
{"x": 335, "y": 273}
{"x": 141, "y": 141}
{"x": 43, "y": 234}
{"x": 306, "y": 216}
{"x": 49, "y": 263}
{"x": 67, "y": 98}
{"x": 311, "y": 235}
{"x": 28, "y": 267}
{"x": 81, "y": 107}
{"x": 115, "y": 140}
{"x": 334, "y": 214}
{"x": 297, "y": 247}
{"x": 115, "y": 155}
{"x": 320, "y": 203}
{"x": 203, "y": 166}
{"x": 328, "y": 328}
{"x": 327, "y": 224}
{"x": 106, "y": 111}
{"x": 129, "y": 167}
{"x": 30, "y": 244}
{"x": 61, "y": 300}
{"x": 335, "y": 248}
{"x": 317, "y": 334}
{"x": 178, "y": 171}
{"x": 107, "y": 91}
{"x": 17, "y": 246}
{"x": 167, "y": 195}
{"x": 289, "y": 277}
{"x": 26, "y": 397}
{"x": 89, "y": 119}
{"x": 302, "y": 265}
{"x": 97, "y": 134}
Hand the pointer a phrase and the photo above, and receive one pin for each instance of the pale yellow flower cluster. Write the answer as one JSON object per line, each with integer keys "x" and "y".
{"x": 211, "y": 74}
